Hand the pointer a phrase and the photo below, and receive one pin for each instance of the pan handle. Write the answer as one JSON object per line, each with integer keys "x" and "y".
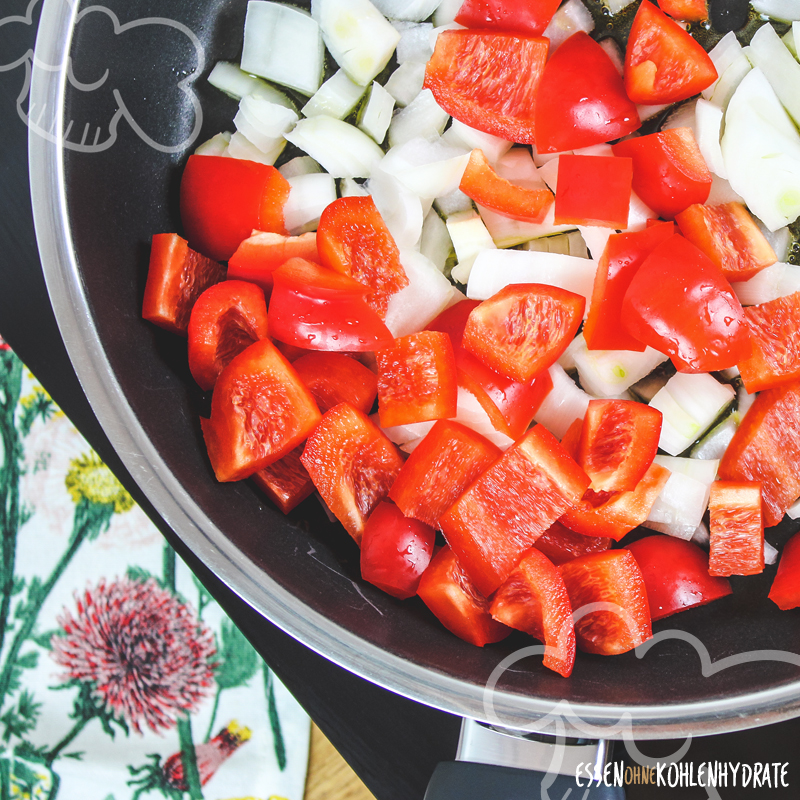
{"x": 464, "y": 780}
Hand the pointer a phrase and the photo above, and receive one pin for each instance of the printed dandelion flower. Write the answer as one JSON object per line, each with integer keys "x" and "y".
{"x": 145, "y": 655}
{"x": 91, "y": 479}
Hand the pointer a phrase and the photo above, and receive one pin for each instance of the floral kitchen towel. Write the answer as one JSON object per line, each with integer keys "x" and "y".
{"x": 120, "y": 676}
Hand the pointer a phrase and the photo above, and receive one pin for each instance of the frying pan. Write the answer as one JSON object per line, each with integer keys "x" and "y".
{"x": 117, "y": 102}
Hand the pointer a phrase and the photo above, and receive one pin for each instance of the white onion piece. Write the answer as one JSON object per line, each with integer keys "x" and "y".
{"x": 343, "y": 150}
{"x": 405, "y": 83}
{"x": 761, "y": 148}
{"x": 548, "y": 172}
{"x": 714, "y": 444}
{"x": 786, "y": 10}
{"x": 703, "y": 470}
{"x": 708, "y": 130}
{"x": 350, "y": 188}
{"x": 731, "y": 64}
{"x": 565, "y": 403}
{"x": 780, "y": 240}
{"x": 608, "y": 373}
{"x": 408, "y": 10}
{"x": 461, "y": 135}
{"x": 567, "y": 360}
{"x": 429, "y": 169}
{"x": 435, "y": 242}
{"x": 722, "y": 192}
{"x": 495, "y": 269}
{"x": 771, "y": 56}
{"x": 639, "y": 213}
{"x": 404, "y": 434}
{"x": 517, "y": 166}
{"x": 648, "y": 112}
{"x": 684, "y": 116}
{"x": 415, "y": 41}
{"x": 507, "y": 232}
{"x": 777, "y": 280}
{"x": 236, "y": 83}
{"x": 770, "y": 553}
{"x": 596, "y": 239}
{"x": 472, "y": 414}
{"x": 376, "y": 114}
{"x": 302, "y": 165}
{"x": 309, "y": 196}
{"x": 453, "y": 203}
{"x": 743, "y": 401}
{"x": 400, "y": 208}
{"x": 265, "y": 124}
{"x": 794, "y": 510}
{"x": 615, "y": 6}
{"x": 283, "y": 44}
{"x": 215, "y": 146}
{"x": 422, "y": 118}
{"x": 792, "y": 39}
{"x": 470, "y": 237}
{"x": 614, "y": 52}
{"x": 360, "y": 39}
{"x": 241, "y": 147}
{"x": 679, "y": 508}
{"x": 446, "y": 11}
{"x": 567, "y": 244}
{"x": 701, "y": 537}
{"x": 337, "y": 97}
{"x": 571, "y": 17}
{"x": 689, "y": 404}
{"x": 426, "y": 296}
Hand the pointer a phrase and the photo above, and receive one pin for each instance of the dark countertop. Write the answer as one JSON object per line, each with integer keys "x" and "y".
{"x": 392, "y": 743}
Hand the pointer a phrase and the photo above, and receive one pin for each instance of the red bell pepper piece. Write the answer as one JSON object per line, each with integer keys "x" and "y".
{"x": 259, "y": 256}
{"x": 417, "y": 379}
{"x": 511, "y": 505}
{"x": 319, "y": 309}
{"x": 529, "y": 17}
{"x": 524, "y": 328}
{"x": 685, "y": 10}
{"x": 669, "y": 171}
{"x": 676, "y": 575}
{"x": 353, "y": 239}
{"x": 785, "y": 591}
{"x": 352, "y": 463}
{"x": 334, "y": 378}
{"x": 766, "y": 448}
{"x": 223, "y": 200}
{"x": 395, "y": 550}
{"x": 440, "y": 468}
{"x": 487, "y": 188}
{"x": 737, "y": 529}
{"x": 621, "y": 259}
{"x": 226, "y": 319}
{"x": 728, "y": 235}
{"x": 286, "y": 481}
{"x": 560, "y": 544}
{"x": 614, "y": 581}
{"x": 593, "y": 190}
{"x": 534, "y": 599}
{"x": 260, "y": 411}
{"x": 448, "y": 592}
{"x": 177, "y": 276}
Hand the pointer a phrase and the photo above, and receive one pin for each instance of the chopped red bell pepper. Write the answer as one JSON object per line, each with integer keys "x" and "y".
{"x": 669, "y": 171}
{"x": 352, "y": 463}
{"x": 663, "y": 63}
{"x": 511, "y": 505}
{"x": 395, "y": 550}
{"x": 226, "y": 319}
{"x": 319, "y": 309}
{"x": 334, "y": 378}
{"x": 448, "y": 592}
{"x": 286, "y": 481}
{"x": 260, "y": 411}
{"x": 259, "y": 256}
{"x": 524, "y": 328}
{"x": 510, "y": 404}
{"x": 685, "y": 10}
{"x": 785, "y": 591}
{"x": 737, "y": 529}
{"x": 766, "y": 448}
{"x": 417, "y": 379}
{"x": 534, "y": 599}
{"x": 622, "y": 257}
{"x": 774, "y": 330}
{"x": 593, "y": 190}
{"x": 613, "y": 581}
{"x": 676, "y": 575}
{"x": 728, "y": 235}
{"x": 353, "y": 239}
{"x": 177, "y": 276}
{"x": 440, "y": 468}
{"x": 223, "y": 200}
{"x": 487, "y": 188}
{"x": 529, "y": 17}
{"x": 560, "y": 544}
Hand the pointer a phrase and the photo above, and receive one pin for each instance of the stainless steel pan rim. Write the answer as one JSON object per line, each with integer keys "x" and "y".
{"x": 141, "y": 458}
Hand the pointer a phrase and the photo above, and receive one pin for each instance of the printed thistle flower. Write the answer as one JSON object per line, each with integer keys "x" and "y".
{"x": 146, "y": 656}
{"x": 89, "y": 478}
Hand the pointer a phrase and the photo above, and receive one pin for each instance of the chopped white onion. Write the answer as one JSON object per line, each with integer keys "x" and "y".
{"x": 429, "y": 169}
{"x": 446, "y": 11}
{"x": 236, "y": 83}
{"x": 708, "y": 130}
{"x": 415, "y": 41}
{"x": 404, "y": 434}
{"x": 608, "y": 373}
{"x": 405, "y": 83}
{"x": 309, "y": 196}
{"x": 565, "y": 403}
{"x": 787, "y": 10}
{"x": 283, "y": 44}
{"x": 337, "y": 97}
{"x": 422, "y": 118}
{"x": 507, "y": 232}
{"x": 400, "y": 208}
{"x": 302, "y": 165}
{"x": 571, "y": 17}
{"x": 241, "y": 147}
{"x": 570, "y": 243}
{"x": 777, "y": 280}
{"x": 469, "y": 237}
{"x": 780, "y": 240}
{"x": 772, "y": 57}
{"x": 408, "y": 10}
{"x": 435, "y": 242}
{"x": 472, "y": 414}
{"x": 351, "y": 188}
{"x": 679, "y": 508}
{"x": 714, "y": 444}
{"x": 770, "y": 553}
{"x": 596, "y": 239}
{"x": 376, "y": 114}
{"x": 215, "y": 146}
{"x": 343, "y": 150}
{"x": 461, "y": 135}
{"x": 264, "y": 124}
{"x": 731, "y": 64}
